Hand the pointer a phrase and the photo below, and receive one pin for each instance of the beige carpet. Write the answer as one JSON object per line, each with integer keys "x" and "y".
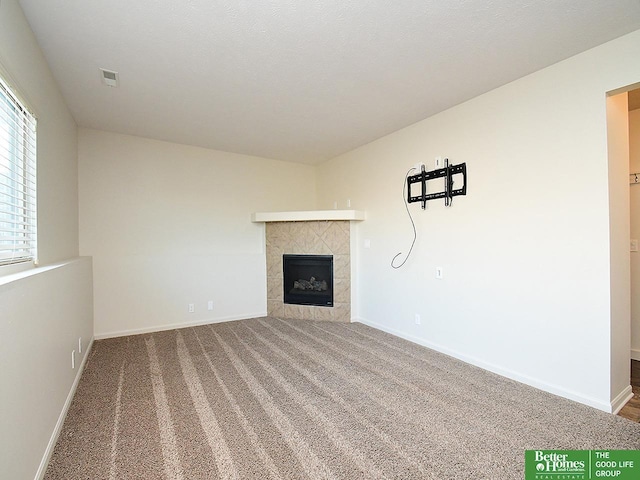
{"x": 268, "y": 398}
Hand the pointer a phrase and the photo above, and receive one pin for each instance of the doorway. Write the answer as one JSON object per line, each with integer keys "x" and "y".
{"x": 634, "y": 210}
{"x": 631, "y": 410}
{"x": 617, "y": 105}
{"x": 623, "y": 130}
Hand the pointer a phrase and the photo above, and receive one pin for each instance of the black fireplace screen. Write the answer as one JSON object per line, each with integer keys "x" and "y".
{"x": 308, "y": 279}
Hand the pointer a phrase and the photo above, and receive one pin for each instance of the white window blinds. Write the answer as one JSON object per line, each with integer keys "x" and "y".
{"x": 17, "y": 180}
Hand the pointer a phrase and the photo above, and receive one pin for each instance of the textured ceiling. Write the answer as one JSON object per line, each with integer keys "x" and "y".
{"x": 306, "y": 80}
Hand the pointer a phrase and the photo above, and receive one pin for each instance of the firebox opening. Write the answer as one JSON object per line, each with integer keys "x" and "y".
{"x": 308, "y": 279}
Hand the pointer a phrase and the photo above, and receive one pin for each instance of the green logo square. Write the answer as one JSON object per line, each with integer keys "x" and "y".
{"x": 556, "y": 464}
{"x": 581, "y": 464}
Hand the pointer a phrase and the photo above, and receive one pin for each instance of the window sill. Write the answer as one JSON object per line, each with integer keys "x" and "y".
{"x": 30, "y": 271}
{"x": 16, "y": 268}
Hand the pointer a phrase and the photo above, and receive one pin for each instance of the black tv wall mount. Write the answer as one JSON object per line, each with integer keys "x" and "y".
{"x": 447, "y": 173}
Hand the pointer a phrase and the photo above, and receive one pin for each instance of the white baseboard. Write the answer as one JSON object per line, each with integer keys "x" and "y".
{"x": 533, "y": 382}
{"x": 635, "y": 354}
{"x": 174, "y": 326}
{"x": 63, "y": 414}
{"x": 621, "y": 399}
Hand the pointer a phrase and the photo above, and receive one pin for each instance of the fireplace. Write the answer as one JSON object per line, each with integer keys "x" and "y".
{"x": 309, "y": 237}
{"x": 308, "y": 279}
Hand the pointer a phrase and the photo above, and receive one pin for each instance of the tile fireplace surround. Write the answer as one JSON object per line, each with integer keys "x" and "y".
{"x": 311, "y": 233}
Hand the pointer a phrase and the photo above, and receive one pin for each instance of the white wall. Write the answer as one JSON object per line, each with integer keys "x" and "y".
{"x": 43, "y": 316}
{"x": 45, "y": 311}
{"x": 23, "y": 65}
{"x": 168, "y": 225}
{"x": 526, "y": 253}
{"x": 634, "y": 166}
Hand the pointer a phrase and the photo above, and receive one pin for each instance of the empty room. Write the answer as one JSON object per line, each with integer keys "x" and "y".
{"x": 319, "y": 240}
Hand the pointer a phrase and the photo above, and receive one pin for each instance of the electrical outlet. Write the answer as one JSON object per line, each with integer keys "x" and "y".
{"x": 417, "y": 319}
{"x": 439, "y": 162}
{"x": 348, "y": 203}
{"x": 192, "y": 308}
{"x": 210, "y": 305}
{"x": 73, "y": 359}
{"x": 439, "y": 273}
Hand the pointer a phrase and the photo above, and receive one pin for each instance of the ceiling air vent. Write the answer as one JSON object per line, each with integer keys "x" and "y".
{"x": 109, "y": 78}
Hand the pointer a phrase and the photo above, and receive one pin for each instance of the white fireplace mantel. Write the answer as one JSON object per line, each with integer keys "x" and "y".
{"x": 308, "y": 216}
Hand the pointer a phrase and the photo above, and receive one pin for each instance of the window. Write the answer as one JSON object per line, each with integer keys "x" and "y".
{"x": 17, "y": 180}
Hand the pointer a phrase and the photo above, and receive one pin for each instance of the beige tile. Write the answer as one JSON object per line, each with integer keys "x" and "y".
{"x": 269, "y": 231}
{"x": 279, "y": 240}
{"x": 307, "y": 312}
{"x": 336, "y": 239}
{"x": 341, "y": 312}
{"x": 279, "y": 229}
{"x": 341, "y": 291}
{"x": 296, "y": 248}
{"x": 323, "y": 313}
{"x": 276, "y": 243}
{"x": 273, "y": 232}
{"x": 345, "y": 226}
{"x": 293, "y": 311}
{"x": 316, "y": 247}
{"x": 274, "y": 288}
{"x": 297, "y": 229}
{"x": 274, "y": 265}
{"x": 341, "y": 267}
{"x": 307, "y": 239}
{"x": 275, "y": 308}
{"x": 319, "y": 227}
{"x": 301, "y": 312}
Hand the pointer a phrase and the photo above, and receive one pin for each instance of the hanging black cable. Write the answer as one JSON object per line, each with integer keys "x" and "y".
{"x": 413, "y": 225}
